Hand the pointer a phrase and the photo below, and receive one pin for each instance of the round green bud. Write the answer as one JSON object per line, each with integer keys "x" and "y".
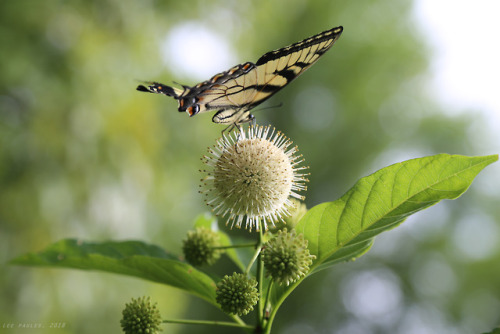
{"x": 286, "y": 257}
{"x": 140, "y": 317}
{"x": 297, "y": 210}
{"x": 198, "y": 247}
{"x": 237, "y": 294}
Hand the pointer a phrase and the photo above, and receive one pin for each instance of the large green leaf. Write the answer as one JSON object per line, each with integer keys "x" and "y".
{"x": 344, "y": 229}
{"x": 132, "y": 258}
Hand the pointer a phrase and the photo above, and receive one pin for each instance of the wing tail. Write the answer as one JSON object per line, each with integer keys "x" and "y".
{"x": 158, "y": 88}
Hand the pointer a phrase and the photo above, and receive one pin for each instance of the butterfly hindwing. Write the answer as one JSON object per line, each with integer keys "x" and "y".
{"x": 234, "y": 92}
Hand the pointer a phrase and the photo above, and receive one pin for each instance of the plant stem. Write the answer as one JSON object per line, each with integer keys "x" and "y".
{"x": 206, "y": 322}
{"x": 269, "y": 288}
{"x": 236, "y": 246}
{"x": 256, "y": 254}
{"x": 260, "y": 279}
{"x": 238, "y": 320}
{"x": 267, "y": 329}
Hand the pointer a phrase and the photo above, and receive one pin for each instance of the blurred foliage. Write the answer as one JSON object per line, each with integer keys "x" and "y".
{"x": 83, "y": 155}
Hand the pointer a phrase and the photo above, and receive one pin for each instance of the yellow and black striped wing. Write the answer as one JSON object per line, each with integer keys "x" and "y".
{"x": 226, "y": 90}
{"x": 254, "y": 83}
{"x": 234, "y": 92}
{"x": 278, "y": 68}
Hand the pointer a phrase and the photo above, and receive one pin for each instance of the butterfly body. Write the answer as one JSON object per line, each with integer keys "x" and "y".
{"x": 233, "y": 93}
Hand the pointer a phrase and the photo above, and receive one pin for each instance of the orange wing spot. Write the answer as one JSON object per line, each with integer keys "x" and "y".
{"x": 234, "y": 69}
{"x": 190, "y": 111}
{"x": 216, "y": 77}
{"x": 181, "y": 103}
{"x": 160, "y": 87}
{"x": 246, "y": 66}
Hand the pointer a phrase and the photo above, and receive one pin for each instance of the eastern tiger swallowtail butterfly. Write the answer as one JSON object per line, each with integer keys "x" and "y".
{"x": 235, "y": 92}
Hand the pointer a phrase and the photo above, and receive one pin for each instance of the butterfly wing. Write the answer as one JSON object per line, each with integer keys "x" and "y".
{"x": 278, "y": 68}
{"x": 272, "y": 72}
{"x": 224, "y": 91}
{"x": 234, "y": 92}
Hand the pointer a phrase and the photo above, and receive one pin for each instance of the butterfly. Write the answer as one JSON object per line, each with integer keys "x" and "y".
{"x": 233, "y": 93}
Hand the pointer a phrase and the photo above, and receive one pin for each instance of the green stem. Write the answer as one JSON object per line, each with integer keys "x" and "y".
{"x": 236, "y": 246}
{"x": 206, "y": 322}
{"x": 239, "y": 321}
{"x": 268, "y": 294}
{"x": 260, "y": 280}
{"x": 255, "y": 255}
{"x": 267, "y": 329}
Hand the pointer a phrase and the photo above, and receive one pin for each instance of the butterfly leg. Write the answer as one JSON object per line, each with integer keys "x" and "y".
{"x": 230, "y": 128}
{"x": 252, "y": 120}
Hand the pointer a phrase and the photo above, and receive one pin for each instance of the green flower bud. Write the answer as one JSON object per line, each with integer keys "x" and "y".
{"x": 237, "y": 294}
{"x": 198, "y": 247}
{"x": 297, "y": 211}
{"x": 286, "y": 257}
{"x": 140, "y": 317}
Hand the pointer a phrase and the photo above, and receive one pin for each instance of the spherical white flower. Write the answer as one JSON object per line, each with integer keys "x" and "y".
{"x": 252, "y": 176}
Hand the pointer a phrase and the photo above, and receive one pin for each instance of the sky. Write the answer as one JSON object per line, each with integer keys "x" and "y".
{"x": 465, "y": 71}
{"x": 466, "y": 60}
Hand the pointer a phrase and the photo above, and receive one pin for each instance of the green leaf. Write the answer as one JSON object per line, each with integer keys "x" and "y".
{"x": 132, "y": 258}
{"x": 205, "y": 220}
{"x": 494, "y": 331}
{"x": 344, "y": 229}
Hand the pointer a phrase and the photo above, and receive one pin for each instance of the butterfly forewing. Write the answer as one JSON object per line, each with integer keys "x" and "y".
{"x": 234, "y": 92}
{"x": 278, "y": 68}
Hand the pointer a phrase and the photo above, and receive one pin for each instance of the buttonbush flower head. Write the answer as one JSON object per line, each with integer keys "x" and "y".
{"x": 252, "y": 177}
{"x": 140, "y": 316}
{"x": 286, "y": 257}
{"x": 198, "y": 247}
{"x": 237, "y": 294}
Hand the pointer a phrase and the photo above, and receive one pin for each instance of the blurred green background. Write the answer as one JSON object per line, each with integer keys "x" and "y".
{"x": 83, "y": 155}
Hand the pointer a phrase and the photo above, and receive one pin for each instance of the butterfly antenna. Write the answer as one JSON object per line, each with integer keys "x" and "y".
{"x": 183, "y": 86}
{"x": 279, "y": 105}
